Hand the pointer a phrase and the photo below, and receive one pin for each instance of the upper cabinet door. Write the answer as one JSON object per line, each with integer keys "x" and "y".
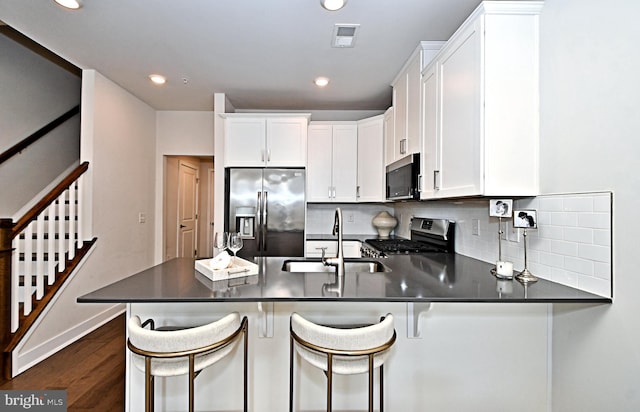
{"x": 245, "y": 142}
{"x": 460, "y": 167}
{"x": 286, "y": 142}
{"x": 429, "y": 156}
{"x": 320, "y": 147}
{"x": 345, "y": 149}
{"x": 371, "y": 176}
{"x": 265, "y": 141}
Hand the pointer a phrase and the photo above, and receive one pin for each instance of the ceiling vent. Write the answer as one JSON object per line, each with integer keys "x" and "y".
{"x": 344, "y": 35}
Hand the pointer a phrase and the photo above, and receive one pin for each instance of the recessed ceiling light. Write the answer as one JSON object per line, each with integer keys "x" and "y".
{"x": 69, "y": 4}
{"x": 321, "y": 81}
{"x": 157, "y": 78}
{"x": 333, "y": 5}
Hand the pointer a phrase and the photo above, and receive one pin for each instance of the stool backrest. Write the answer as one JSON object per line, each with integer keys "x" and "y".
{"x": 344, "y": 339}
{"x": 182, "y": 339}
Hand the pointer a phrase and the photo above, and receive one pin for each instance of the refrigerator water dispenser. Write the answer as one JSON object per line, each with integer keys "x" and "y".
{"x": 245, "y": 221}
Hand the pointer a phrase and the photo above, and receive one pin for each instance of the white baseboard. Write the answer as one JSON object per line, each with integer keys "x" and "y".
{"x": 24, "y": 360}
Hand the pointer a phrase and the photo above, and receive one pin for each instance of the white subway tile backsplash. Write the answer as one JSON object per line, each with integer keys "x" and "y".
{"x": 550, "y": 232}
{"x": 565, "y": 277}
{"x": 602, "y": 270}
{"x": 596, "y": 253}
{"x": 578, "y": 265}
{"x": 602, "y": 237}
{"x": 578, "y": 235}
{"x": 550, "y": 204}
{"x": 565, "y": 248}
{"x": 602, "y": 203}
{"x": 577, "y": 204}
{"x": 594, "y": 220}
{"x": 539, "y": 244}
{"x": 593, "y": 284}
{"x": 551, "y": 259}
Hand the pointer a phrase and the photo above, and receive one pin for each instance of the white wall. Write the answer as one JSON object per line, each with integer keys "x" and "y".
{"x": 590, "y": 141}
{"x": 33, "y": 92}
{"x": 118, "y": 139}
{"x": 178, "y": 133}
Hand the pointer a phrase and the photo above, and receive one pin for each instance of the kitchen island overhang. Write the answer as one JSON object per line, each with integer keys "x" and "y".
{"x": 423, "y": 278}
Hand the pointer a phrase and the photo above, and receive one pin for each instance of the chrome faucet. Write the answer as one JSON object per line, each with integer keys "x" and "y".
{"x": 337, "y": 261}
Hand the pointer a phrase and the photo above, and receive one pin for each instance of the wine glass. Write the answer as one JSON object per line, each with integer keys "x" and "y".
{"x": 235, "y": 243}
{"x": 221, "y": 241}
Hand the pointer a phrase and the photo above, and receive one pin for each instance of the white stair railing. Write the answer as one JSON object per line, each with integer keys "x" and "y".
{"x": 41, "y": 249}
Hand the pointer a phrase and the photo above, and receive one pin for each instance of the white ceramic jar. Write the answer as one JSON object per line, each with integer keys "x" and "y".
{"x": 384, "y": 223}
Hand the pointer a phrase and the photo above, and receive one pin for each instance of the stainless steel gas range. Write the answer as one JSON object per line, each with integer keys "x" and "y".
{"x": 427, "y": 236}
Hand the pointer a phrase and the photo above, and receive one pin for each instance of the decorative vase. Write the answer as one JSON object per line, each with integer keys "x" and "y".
{"x": 384, "y": 223}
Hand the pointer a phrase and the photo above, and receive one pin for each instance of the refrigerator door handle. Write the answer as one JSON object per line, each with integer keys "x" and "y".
{"x": 258, "y": 220}
{"x": 265, "y": 208}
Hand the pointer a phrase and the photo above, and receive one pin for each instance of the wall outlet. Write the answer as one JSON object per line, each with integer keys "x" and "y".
{"x": 475, "y": 227}
{"x": 513, "y": 234}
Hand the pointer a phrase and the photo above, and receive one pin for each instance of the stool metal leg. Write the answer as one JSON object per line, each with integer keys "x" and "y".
{"x": 291, "y": 374}
{"x": 329, "y": 380}
{"x": 371, "y": 383}
{"x": 148, "y": 386}
{"x": 381, "y": 388}
{"x": 246, "y": 378}
{"x": 192, "y": 377}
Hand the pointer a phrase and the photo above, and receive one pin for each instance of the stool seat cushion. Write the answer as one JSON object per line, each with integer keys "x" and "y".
{"x": 169, "y": 341}
{"x": 352, "y": 339}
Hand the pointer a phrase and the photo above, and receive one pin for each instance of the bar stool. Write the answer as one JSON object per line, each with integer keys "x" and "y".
{"x": 173, "y": 352}
{"x": 345, "y": 351}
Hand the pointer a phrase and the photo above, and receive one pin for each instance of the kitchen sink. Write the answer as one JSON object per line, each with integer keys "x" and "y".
{"x": 351, "y": 266}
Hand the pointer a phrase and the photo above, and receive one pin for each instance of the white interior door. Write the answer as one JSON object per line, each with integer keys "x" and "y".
{"x": 187, "y": 209}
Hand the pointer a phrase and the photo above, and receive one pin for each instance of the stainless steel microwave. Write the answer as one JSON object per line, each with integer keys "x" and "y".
{"x": 403, "y": 177}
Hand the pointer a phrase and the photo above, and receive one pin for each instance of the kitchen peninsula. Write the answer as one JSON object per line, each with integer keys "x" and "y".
{"x": 467, "y": 300}
{"x": 437, "y": 277}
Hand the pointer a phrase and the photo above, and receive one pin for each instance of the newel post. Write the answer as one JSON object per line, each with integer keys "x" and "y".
{"x": 6, "y": 228}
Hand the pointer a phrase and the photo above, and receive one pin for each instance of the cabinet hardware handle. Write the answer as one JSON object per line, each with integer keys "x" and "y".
{"x": 269, "y": 155}
{"x": 357, "y": 192}
{"x": 436, "y": 175}
{"x": 329, "y": 195}
{"x": 419, "y": 183}
{"x": 262, "y": 155}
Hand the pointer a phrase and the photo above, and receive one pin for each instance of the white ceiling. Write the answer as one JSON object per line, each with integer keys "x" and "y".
{"x": 264, "y": 54}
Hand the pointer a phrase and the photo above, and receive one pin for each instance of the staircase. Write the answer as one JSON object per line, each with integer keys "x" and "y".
{"x": 38, "y": 253}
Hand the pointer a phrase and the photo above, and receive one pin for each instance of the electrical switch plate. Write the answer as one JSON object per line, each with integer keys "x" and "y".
{"x": 475, "y": 227}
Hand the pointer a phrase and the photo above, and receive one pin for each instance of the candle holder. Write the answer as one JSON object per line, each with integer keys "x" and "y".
{"x": 525, "y": 219}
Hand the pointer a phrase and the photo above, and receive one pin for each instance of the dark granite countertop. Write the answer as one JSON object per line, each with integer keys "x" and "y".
{"x": 435, "y": 277}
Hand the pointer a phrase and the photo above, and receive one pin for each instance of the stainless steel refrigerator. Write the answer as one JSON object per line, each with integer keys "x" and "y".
{"x": 267, "y": 207}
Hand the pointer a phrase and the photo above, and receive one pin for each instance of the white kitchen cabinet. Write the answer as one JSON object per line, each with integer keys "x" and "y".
{"x": 480, "y": 106}
{"x": 407, "y": 103}
{"x": 389, "y": 135}
{"x": 265, "y": 141}
{"x": 350, "y": 248}
{"x": 370, "y": 158}
{"x": 332, "y": 162}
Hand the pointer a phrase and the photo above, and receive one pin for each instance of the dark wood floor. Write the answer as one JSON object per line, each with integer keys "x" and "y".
{"x": 91, "y": 370}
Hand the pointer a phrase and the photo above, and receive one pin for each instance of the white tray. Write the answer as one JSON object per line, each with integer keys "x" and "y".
{"x": 238, "y": 268}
